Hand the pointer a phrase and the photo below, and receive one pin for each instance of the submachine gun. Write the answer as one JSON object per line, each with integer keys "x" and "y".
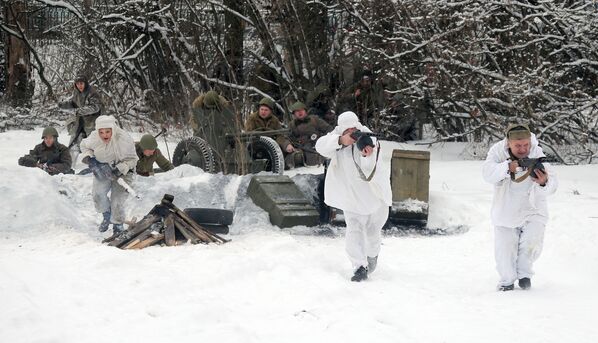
{"x": 531, "y": 165}
{"x": 364, "y": 139}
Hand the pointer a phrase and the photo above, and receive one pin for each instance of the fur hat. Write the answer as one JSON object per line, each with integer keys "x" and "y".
{"x": 518, "y": 131}
{"x": 105, "y": 122}
{"x": 347, "y": 120}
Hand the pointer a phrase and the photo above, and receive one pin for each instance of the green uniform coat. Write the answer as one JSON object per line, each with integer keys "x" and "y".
{"x": 145, "y": 165}
{"x": 89, "y": 107}
{"x": 213, "y": 124}
{"x": 57, "y": 157}
{"x": 257, "y": 123}
{"x": 304, "y": 134}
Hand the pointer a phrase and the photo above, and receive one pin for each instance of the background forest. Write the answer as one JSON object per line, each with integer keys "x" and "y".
{"x": 461, "y": 69}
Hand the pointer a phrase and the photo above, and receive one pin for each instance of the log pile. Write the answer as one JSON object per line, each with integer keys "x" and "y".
{"x": 165, "y": 224}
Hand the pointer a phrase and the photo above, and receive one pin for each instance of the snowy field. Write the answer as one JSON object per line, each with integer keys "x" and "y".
{"x": 58, "y": 283}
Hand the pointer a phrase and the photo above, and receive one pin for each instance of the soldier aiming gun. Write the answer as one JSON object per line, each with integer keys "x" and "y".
{"x": 519, "y": 212}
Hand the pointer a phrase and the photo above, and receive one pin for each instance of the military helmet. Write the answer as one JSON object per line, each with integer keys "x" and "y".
{"x": 211, "y": 99}
{"x": 266, "y": 102}
{"x": 148, "y": 142}
{"x": 297, "y": 106}
{"x": 50, "y": 131}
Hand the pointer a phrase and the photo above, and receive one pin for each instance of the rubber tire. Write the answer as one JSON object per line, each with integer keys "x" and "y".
{"x": 217, "y": 229}
{"x": 198, "y": 145}
{"x": 266, "y": 147}
{"x": 210, "y": 215}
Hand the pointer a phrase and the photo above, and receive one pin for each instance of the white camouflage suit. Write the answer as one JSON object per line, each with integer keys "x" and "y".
{"x": 120, "y": 153}
{"x": 519, "y": 213}
{"x": 365, "y": 204}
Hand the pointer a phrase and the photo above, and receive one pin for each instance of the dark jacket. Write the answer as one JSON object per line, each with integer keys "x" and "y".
{"x": 213, "y": 124}
{"x": 304, "y": 134}
{"x": 145, "y": 165}
{"x": 257, "y": 123}
{"x": 89, "y": 106}
{"x": 56, "y": 158}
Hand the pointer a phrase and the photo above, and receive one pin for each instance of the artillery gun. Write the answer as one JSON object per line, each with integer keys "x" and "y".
{"x": 245, "y": 152}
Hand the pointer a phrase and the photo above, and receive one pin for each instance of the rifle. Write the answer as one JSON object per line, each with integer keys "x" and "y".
{"x": 364, "y": 139}
{"x": 104, "y": 171}
{"x": 532, "y": 164}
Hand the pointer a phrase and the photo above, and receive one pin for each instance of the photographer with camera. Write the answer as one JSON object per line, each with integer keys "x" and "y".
{"x": 357, "y": 182}
{"x": 519, "y": 211}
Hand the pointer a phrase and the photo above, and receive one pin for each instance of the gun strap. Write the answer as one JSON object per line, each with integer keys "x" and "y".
{"x": 361, "y": 173}
{"x": 522, "y": 177}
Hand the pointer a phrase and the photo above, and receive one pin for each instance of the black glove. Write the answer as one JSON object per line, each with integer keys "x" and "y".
{"x": 116, "y": 172}
{"x": 102, "y": 171}
{"x": 90, "y": 161}
{"x": 362, "y": 140}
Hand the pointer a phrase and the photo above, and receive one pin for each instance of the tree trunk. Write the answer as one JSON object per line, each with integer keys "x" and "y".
{"x": 234, "y": 27}
{"x": 19, "y": 86}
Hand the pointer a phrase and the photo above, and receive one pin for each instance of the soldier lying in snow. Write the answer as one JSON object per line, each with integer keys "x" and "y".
{"x": 51, "y": 156}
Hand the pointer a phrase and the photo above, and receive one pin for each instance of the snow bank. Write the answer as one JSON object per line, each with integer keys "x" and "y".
{"x": 58, "y": 283}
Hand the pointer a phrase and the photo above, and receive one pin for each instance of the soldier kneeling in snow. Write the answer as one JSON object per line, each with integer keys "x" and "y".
{"x": 519, "y": 211}
{"x": 110, "y": 153}
{"x": 364, "y": 199}
{"x": 49, "y": 155}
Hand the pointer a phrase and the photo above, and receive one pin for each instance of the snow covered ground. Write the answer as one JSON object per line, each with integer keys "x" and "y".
{"x": 58, "y": 283}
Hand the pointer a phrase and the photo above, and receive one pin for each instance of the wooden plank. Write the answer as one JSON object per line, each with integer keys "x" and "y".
{"x": 142, "y": 236}
{"x": 131, "y": 233}
{"x": 183, "y": 230}
{"x": 153, "y": 239}
{"x": 198, "y": 233}
{"x": 169, "y": 234}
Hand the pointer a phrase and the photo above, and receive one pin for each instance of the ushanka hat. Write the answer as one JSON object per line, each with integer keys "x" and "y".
{"x": 518, "y": 131}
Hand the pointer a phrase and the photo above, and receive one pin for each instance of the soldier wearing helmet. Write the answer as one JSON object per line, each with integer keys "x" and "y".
{"x": 304, "y": 132}
{"x": 148, "y": 153}
{"x": 265, "y": 120}
{"x": 51, "y": 156}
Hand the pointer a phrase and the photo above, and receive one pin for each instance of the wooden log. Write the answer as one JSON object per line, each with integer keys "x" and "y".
{"x": 183, "y": 230}
{"x": 200, "y": 235}
{"x": 141, "y": 237}
{"x": 153, "y": 239}
{"x": 167, "y": 201}
{"x": 169, "y": 234}
{"x": 138, "y": 228}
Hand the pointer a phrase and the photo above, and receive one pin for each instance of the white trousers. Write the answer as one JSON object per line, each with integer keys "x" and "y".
{"x": 116, "y": 203}
{"x": 516, "y": 249}
{"x": 364, "y": 235}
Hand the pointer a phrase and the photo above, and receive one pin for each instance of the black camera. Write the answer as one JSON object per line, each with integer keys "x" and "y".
{"x": 363, "y": 139}
{"x": 533, "y": 164}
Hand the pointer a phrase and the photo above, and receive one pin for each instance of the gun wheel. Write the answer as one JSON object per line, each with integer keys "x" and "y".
{"x": 196, "y": 152}
{"x": 267, "y": 148}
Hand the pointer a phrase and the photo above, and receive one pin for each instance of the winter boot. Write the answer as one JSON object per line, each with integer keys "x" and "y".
{"x": 372, "y": 262}
{"x": 117, "y": 228}
{"x": 106, "y": 222}
{"x": 360, "y": 274}
{"x": 525, "y": 283}
{"x": 505, "y": 288}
